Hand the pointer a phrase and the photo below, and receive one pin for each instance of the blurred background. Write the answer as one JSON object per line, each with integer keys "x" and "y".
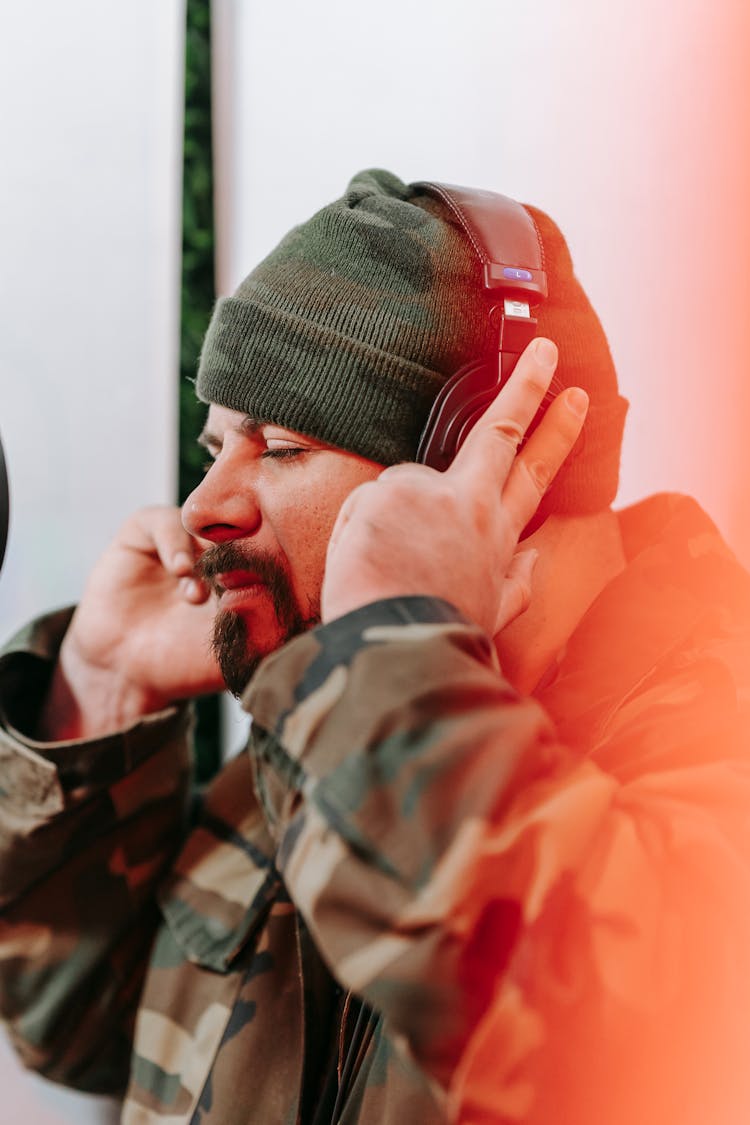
{"x": 153, "y": 152}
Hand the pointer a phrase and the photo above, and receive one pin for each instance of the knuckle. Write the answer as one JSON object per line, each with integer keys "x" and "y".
{"x": 409, "y": 483}
{"x": 509, "y": 431}
{"x": 361, "y": 500}
{"x": 404, "y": 471}
{"x": 363, "y": 493}
{"x": 389, "y": 472}
{"x": 537, "y": 382}
{"x": 540, "y": 474}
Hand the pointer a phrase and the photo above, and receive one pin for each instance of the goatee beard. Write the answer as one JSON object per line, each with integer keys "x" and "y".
{"x": 231, "y": 644}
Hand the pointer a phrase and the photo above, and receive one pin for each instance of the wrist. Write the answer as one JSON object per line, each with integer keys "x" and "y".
{"x": 85, "y": 700}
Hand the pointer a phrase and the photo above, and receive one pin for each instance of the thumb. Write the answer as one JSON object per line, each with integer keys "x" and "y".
{"x": 515, "y": 593}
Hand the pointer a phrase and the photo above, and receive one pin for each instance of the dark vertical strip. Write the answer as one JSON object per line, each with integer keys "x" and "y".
{"x": 197, "y": 296}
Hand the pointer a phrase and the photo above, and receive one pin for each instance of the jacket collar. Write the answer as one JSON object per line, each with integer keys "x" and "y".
{"x": 680, "y": 576}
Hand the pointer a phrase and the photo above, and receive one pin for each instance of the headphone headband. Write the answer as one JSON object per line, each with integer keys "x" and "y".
{"x": 507, "y": 244}
{"x": 503, "y": 234}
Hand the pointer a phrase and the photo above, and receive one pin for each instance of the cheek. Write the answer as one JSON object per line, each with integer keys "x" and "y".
{"x": 307, "y": 522}
{"x": 304, "y": 541}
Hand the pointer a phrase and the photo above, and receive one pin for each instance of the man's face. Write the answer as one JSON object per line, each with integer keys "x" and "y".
{"x": 264, "y": 512}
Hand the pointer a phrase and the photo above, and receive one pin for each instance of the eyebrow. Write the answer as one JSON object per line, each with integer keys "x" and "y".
{"x": 248, "y": 426}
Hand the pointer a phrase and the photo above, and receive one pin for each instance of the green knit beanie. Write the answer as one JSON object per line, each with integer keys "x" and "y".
{"x": 350, "y": 327}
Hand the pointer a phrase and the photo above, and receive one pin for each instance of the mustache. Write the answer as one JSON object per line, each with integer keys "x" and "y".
{"x": 223, "y": 557}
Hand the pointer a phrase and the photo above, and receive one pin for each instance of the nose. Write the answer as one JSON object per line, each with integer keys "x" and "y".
{"x": 222, "y": 507}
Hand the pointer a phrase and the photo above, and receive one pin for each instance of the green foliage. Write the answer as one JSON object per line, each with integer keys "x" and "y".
{"x": 197, "y": 296}
{"x": 197, "y": 234}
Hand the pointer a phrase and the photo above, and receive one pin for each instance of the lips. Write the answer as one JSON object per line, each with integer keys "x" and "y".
{"x": 236, "y": 586}
{"x": 236, "y": 579}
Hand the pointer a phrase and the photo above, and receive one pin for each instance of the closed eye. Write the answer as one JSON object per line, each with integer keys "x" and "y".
{"x": 283, "y": 452}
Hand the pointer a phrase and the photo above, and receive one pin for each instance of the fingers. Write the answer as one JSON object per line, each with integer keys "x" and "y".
{"x": 159, "y": 532}
{"x": 515, "y": 595}
{"x": 538, "y": 462}
{"x": 193, "y": 590}
{"x": 489, "y": 461}
{"x": 490, "y": 448}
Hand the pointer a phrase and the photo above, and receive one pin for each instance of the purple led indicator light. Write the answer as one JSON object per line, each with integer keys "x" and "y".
{"x": 512, "y": 274}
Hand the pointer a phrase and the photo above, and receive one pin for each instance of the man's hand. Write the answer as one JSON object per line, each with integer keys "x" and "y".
{"x": 454, "y": 535}
{"x": 140, "y": 638}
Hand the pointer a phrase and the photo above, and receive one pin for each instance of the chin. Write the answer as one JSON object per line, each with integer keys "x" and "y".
{"x": 236, "y": 646}
{"x": 237, "y": 656}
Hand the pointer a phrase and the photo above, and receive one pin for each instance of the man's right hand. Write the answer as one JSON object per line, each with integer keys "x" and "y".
{"x": 140, "y": 638}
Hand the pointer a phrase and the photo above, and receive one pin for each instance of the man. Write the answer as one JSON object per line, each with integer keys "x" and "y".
{"x": 488, "y": 856}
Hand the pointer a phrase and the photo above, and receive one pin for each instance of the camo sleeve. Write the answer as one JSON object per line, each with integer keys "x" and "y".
{"x": 86, "y": 829}
{"x": 386, "y": 743}
{"x": 514, "y": 906}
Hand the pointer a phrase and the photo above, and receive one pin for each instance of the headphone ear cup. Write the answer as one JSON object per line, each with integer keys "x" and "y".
{"x": 465, "y": 395}
{"x": 460, "y": 404}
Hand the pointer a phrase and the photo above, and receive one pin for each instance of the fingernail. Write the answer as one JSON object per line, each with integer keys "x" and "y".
{"x": 578, "y": 401}
{"x": 189, "y": 589}
{"x": 545, "y": 352}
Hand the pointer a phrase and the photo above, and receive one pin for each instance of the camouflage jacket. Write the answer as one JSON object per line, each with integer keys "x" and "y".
{"x": 544, "y": 901}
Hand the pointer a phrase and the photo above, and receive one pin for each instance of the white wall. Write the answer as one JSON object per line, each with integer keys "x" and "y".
{"x": 90, "y": 138}
{"x": 90, "y": 145}
{"x": 626, "y": 121}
